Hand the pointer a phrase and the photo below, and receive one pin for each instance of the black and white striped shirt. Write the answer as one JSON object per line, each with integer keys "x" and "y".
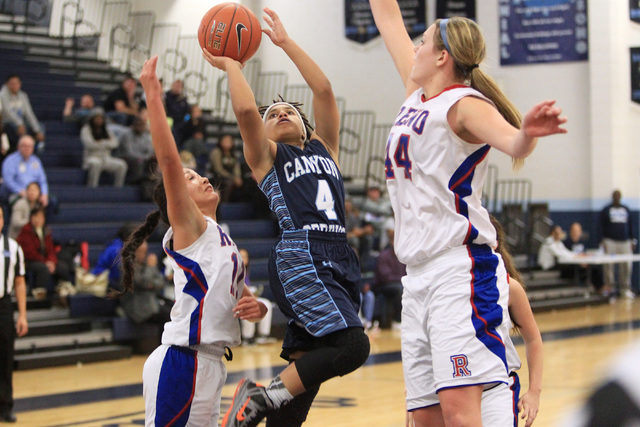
{"x": 11, "y": 264}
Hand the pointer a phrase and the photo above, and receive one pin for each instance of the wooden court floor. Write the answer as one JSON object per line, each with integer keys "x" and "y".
{"x": 579, "y": 345}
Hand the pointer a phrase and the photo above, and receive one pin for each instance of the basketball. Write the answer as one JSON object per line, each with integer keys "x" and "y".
{"x": 231, "y": 30}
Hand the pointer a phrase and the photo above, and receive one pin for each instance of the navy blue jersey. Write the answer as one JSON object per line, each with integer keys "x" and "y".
{"x": 305, "y": 189}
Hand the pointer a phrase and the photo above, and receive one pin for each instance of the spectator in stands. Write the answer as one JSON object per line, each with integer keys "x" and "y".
{"x": 576, "y": 243}
{"x": 21, "y": 168}
{"x": 109, "y": 259}
{"x": 12, "y": 280}
{"x": 197, "y": 146}
{"x": 4, "y": 139}
{"x": 78, "y": 115}
{"x": 191, "y": 124}
{"x": 98, "y": 144}
{"x": 17, "y": 115}
{"x": 358, "y": 234}
{"x": 388, "y": 282}
{"x": 145, "y": 303}
{"x": 225, "y": 166}
{"x": 553, "y": 249}
{"x": 136, "y": 149}
{"x": 264, "y": 326}
{"x": 375, "y": 210}
{"x": 121, "y": 105}
{"x": 618, "y": 238}
{"x": 21, "y": 209}
{"x": 40, "y": 254}
{"x": 176, "y": 103}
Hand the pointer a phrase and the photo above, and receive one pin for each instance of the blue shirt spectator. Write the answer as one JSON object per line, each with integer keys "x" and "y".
{"x": 21, "y": 168}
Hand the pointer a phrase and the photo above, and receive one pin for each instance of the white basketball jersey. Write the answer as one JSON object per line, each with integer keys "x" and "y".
{"x": 435, "y": 179}
{"x": 208, "y": 280}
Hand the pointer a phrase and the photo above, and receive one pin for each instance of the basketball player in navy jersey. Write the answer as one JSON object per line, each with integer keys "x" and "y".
{"x": 314, "y": 274}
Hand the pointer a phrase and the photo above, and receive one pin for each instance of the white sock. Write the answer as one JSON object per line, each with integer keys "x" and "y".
{"x": 278, "y": 393}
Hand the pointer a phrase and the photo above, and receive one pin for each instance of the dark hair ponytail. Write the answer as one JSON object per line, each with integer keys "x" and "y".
{"x": 128, "y": 254}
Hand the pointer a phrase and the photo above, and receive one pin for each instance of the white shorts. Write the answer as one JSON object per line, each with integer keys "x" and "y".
{"x": 494, "y": 410}
{"x": 455, "y": 321}
{"x": 183, "y": 385}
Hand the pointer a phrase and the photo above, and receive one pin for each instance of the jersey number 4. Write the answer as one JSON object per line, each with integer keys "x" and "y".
{"x": 324, "y": 200}
{"x": 401, "y": 157}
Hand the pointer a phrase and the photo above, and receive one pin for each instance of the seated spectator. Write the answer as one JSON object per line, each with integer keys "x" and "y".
{"x": 4, "y": 139}
{"x": 21, "y": 209}
{"x": 98, "y": 143}
{"x": 40, "y": 255}
{"x": 197, "y": 146}
{"x": 388, "y": 282}
{"x": 145, "y": 304}
{"x": 17, "y": 115}
{"x": 78, "y": 115}
{"x": 176, "y": 102}
{"x": 109, "y": 258}
{"x": 21, "y": 168}
{"x": 121, "y": 105}
{"x": 225, "y": 166}
{"x": 137, "y": 150}
{"x": 264, "y": 325}
{"x": 357, "y": 232}
{"x": 191, "y": 124}
{"x": 576, "y": 243}
{"x": 553, "y": 249}
{"x": 375, "y": 211}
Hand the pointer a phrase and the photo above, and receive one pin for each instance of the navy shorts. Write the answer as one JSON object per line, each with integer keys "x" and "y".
{"x": 315, "y": 277}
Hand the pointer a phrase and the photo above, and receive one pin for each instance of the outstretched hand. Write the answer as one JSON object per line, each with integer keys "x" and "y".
{"x": 148, "y": 77}
{"x": 219, "y": 62}
{"x": 276, "y": 33}
{"x": 543, "y": 120}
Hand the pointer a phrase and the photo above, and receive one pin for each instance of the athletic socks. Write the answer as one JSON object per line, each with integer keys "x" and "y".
{"x": 278, "y": 393}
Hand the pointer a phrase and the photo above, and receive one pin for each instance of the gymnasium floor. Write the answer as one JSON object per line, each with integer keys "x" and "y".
{"x": 578, "y": 343}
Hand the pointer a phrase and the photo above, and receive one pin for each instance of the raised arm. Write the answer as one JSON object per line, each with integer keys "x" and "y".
{"x": 184, "y": 215}
{"x": 325, "y": 109}
{"x": 477, "y": 121}
{"x": 259, "y": 151}
{"x": 520, "y": 311}
{"x": 388, "y": 18}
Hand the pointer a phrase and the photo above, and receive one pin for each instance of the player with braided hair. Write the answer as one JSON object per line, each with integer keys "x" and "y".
{"x": 183, "y": 377}
{"x": 314, "y": 274}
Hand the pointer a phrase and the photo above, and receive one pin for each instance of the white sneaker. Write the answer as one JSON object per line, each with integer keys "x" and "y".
{"x": 628, "y": 294}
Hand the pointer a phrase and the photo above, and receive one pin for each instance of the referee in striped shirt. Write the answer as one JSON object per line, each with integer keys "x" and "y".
{"x": 12, "y": 278}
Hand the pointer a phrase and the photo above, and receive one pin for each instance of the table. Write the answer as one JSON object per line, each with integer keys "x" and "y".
{"x": 599, "y": 258}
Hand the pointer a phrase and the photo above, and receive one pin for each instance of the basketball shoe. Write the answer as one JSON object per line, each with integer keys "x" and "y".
{"x": 249, "y": 406}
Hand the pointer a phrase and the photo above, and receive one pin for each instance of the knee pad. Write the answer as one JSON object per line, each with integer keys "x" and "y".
{"x": 354, "y": 347}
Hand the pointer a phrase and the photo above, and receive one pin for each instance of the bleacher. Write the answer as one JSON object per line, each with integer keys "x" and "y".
{"x": 55, "y": 67}
{"x": 89, "y": 329}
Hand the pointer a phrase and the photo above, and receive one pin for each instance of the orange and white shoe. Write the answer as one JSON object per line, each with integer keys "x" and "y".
{"x": 249, "y": 406}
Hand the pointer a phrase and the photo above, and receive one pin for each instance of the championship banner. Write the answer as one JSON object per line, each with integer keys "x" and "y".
{"x": 360, "y": 27}
{"x": 634, "y": 10}
{"x": 541, "y": 31}
{"x": 449, "y": 8}
{"x": 635, "y": 73}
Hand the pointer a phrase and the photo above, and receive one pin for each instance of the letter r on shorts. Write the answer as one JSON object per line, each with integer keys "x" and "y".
{"x": 460, "y": 366}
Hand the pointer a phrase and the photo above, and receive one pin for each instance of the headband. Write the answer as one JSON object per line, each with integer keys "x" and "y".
{"x": 266, "y": 114}
{"x": 443, "y": 33}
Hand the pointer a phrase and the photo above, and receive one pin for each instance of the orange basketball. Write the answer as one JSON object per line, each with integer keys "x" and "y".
{"x": 231, "y": 30}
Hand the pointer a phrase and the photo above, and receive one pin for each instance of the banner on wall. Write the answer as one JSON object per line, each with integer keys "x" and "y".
{"x": 634, "y": 10}
{"x": 360, "y": 27}
{"x": 541, "y": 31}
{"x": 449, "y": 8}
{"x": 635, "y": 74}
